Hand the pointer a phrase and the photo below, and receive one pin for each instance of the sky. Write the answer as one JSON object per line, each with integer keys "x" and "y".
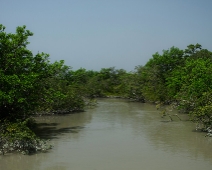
{"x": 95, "y": 34}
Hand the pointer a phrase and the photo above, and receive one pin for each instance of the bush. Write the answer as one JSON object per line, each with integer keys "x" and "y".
{"x": 18, "y": 136}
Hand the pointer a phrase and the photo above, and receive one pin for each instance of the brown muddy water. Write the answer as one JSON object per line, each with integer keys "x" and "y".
{"x": 117, "y": 135}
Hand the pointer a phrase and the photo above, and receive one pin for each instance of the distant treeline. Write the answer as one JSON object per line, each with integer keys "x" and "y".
{"x": 31, "y": 84}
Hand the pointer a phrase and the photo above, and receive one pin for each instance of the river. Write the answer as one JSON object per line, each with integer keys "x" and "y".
{"x": 117, "y": 135}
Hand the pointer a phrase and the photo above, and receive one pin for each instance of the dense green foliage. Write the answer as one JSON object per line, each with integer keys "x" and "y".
{"x": 31, "y": 84}
{"x": 181, "y": 78}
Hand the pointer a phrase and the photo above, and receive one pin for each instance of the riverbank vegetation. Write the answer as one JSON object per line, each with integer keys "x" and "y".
{"x": 30, "y": 85}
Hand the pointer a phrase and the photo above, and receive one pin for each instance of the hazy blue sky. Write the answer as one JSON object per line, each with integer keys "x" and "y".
{"x": 95, "y": 34}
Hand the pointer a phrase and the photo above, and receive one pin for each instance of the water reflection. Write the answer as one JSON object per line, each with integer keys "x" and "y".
{"x": 50, "y": 130}
{"x": 51, "y": 127}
